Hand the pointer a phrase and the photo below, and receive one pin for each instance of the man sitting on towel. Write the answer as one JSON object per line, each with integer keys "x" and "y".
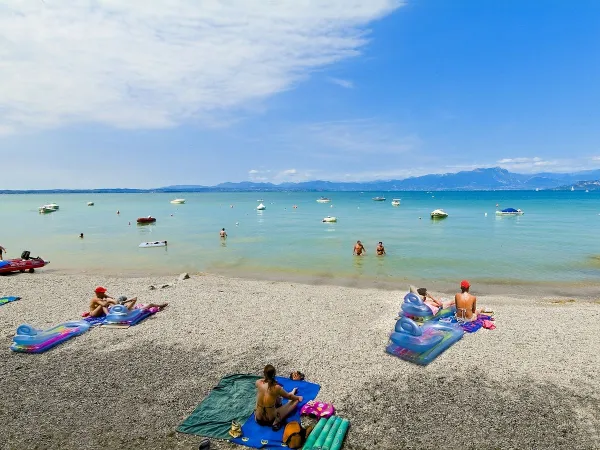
{"x": 434, "y": 304}
{"x": 101, "y": 302}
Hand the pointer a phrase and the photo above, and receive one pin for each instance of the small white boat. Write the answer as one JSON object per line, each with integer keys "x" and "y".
{"x": 572, "y": 188}
{"x": 52, "y": 206}
{"x": 178, "y": 201}
{"x": 510, "y": 212}
{"x": 329, "y": 219}
{"x": 396, "y": 202}
{"x": 261, "y": 207}
{"x": 90, "y": 203}
{"x": 439, "y": 214}
{"x": 323, "y": 200}
{"x": 260, "y": 200}
{"x": 45, "y": 210}
{"x": 378, "y": 199}
{"x": 153, "y": 244}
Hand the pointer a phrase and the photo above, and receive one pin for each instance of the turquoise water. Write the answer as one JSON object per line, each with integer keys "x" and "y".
{"x": 556, "y": 239}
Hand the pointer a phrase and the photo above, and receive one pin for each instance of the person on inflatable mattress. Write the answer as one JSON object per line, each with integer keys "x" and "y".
{"x": 434, "y": 304}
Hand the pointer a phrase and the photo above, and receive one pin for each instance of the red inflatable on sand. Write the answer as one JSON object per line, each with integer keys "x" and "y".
{"x": 21, "y": 265}
{"x": 148, "y": 219}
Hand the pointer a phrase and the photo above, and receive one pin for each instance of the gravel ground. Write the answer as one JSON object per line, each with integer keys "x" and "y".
{"x": 531, "y": 383}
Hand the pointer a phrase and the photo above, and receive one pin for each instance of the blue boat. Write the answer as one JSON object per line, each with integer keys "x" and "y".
{"x": 510, "y": 212}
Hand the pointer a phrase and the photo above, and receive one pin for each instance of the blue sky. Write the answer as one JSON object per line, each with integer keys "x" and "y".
{"x": 111, "y": 93}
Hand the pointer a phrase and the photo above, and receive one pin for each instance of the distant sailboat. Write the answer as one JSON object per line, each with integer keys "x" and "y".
{"x": 572, "y": 188}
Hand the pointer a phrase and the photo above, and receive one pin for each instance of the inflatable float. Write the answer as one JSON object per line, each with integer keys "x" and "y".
{"x": 120, "y": 315}
{"x": 422, "y": 344}
{"x": 32, "y": 340}
{"x": 329, "y": 434}
{"x": 329, "y": 219}
{"x": 415, "y": 308}
{"x": 22, "y": 265}
{"x": 153, "y": 244}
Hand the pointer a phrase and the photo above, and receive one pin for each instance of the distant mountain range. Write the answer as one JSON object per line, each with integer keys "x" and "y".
{"x": 474, "y": 180}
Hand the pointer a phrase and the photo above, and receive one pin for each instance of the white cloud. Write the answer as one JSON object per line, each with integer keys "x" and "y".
{"x": 289, "y": 172}
{"x": 347, "y": 84}
{"x": 530, "y": 165}
{"x": 140, "y": 64}
{"x": 359, "y": 138}
{"x": 253, "y": 171}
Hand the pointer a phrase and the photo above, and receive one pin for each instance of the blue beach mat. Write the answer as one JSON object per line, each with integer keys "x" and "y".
{"x": 257, "y": 436}
{"x": 4, "y": 300}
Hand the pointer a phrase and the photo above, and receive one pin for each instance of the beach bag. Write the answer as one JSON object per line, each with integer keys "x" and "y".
{"x": 318, "y": 409}
{"x": 294, "y": 435}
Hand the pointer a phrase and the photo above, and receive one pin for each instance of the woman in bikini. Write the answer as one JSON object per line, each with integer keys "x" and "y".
{"x": 269, "y": 409}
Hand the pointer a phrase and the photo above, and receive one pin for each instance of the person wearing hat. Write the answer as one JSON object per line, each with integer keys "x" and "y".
{"x": 466, "y": 304}
{"x": 100, "y": 302}
{"x": 434, "y": 304}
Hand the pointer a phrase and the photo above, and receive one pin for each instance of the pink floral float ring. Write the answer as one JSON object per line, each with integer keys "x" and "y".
{"x": 318, "y": 409}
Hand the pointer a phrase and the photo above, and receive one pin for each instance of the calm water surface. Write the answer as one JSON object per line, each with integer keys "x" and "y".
{"x": 556, "y": 240}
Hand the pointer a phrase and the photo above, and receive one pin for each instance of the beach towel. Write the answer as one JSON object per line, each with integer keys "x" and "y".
{"x": 5, "y": 300}
{"x": 482, "y": 320}
{"x": 257, "y": 436}
{"x": 233, "y": 398}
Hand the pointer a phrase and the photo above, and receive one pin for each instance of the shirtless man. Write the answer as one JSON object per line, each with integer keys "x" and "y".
{"x": 2, "y": 249}
{"x": 359, "y": 249}
{"x": 466, "y": 303}
{"x": 100, "y": 302}
{"x": 222, "y": 233}
{"x": 269, "y": 410}
{"x": 380, "y": 249}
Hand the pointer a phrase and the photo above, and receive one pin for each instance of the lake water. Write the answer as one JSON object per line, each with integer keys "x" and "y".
{"x": 556, "y": 240}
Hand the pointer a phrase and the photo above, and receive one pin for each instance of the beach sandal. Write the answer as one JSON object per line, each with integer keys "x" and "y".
{"x": 236, "y": 429}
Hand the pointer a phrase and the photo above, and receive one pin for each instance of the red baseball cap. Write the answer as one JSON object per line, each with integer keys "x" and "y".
{"x": 465, "y": 284}
{"x": 100, "y": 290}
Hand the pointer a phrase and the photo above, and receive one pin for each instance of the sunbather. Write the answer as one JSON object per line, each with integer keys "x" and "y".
{"x": 434, "y": 304}
{"x": 466, "y": 304}
{"x": 269, "y": 409}
{"x": 100, "y": 302}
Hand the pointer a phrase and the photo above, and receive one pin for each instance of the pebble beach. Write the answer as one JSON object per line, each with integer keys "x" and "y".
{"x": 530, "y": 383}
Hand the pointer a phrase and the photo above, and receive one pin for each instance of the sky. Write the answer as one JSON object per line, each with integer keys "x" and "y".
{"x": 132, "y": 93}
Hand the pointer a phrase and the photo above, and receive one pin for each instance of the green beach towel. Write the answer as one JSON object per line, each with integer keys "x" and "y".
{"x": 233, "y": 398}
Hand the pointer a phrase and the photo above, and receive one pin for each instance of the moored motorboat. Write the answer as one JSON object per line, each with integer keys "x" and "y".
{"x": 439, "y": 214}
{"x": 45, "y": 210}
{"x": 261, "y": 207}
{"x": 395, "y": 202}
{"x": 510, "y": 212}
{"x": 323, "y": 200}
{"x": 378, "y": 199}
{"x": 329, "y": 219}
{"x": 144, "y": 220}
{"x": 90, "y": 203}
{"x": 52, "y": 206}
{"x": 178, "y": 201}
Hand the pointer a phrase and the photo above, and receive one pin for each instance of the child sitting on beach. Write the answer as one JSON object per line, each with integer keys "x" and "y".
{"x": 434, "y": 304}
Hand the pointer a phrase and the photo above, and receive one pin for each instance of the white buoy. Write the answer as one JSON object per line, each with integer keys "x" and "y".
{"x": 485, "y": 214}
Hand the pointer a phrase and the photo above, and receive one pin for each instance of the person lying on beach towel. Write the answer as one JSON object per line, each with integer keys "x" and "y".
{"x": 269, "y": 409}
{"x": 101, "y": 302}
{"x": 434, "y": 304}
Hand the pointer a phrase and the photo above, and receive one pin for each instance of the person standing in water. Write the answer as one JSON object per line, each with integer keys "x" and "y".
{"x": 359, "y": 249}
{"x": 380, "y": 249}
{"x": 222, "y": 233}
